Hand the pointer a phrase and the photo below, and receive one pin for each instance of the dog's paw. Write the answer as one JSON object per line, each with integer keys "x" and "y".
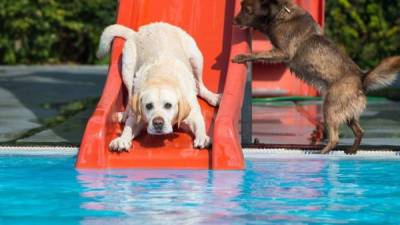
{"x": 120, "y": 144}
{"x": 215, "y": 99}
{"x": 326, "y": 150}
{"x": 350, "y": 151}
{"x": 121, "y": 118}
{"x": 202, "y": 141}
{"x": 241, "y": 58}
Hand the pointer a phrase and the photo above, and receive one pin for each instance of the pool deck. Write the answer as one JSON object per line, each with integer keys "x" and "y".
{"x": 51, "y": 104}
{"x": 33, "y": 101}
{"x": 296, "y": 123}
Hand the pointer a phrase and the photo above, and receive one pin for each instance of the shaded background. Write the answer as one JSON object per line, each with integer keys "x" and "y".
{"x": 52, "y": 103}
{"x": 369, "y": 30}
{"x": 54, "y": 32}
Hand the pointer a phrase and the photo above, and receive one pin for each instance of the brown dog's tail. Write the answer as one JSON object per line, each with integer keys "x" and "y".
{"x": 383, "y": 75}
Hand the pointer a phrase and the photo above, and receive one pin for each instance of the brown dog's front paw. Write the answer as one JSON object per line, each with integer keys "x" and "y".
{"x": 241, "y": 58}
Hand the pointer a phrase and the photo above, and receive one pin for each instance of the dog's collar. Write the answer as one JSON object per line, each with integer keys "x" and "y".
{"x": 287, "y": 9}
{"x": 283, "y": 9}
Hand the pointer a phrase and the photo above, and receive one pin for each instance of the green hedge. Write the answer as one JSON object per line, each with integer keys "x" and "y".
{"x": 52, "y": 31}
{"x": 56, "y": 31}
{"x": 369, "y": 30}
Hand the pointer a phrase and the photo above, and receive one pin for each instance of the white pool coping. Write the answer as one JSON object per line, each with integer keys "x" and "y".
{"x": 38, "y": 150}
{"x": 312, "y": 154}
{"x": 248, "y": 153}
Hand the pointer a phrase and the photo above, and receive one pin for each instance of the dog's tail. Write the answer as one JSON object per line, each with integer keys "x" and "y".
{"x": 129, "y": 53}
{"x": 383, "y": 75}
{"x": 108, "y": 36}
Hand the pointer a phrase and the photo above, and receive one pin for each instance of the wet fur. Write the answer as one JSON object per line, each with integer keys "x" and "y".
{"x": 162, "y": 71}
{"x": 299, "y": 42}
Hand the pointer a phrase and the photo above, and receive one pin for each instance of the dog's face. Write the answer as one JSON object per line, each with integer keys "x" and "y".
{"x": 160, "y": 108}
{"x": 255, "y": 12}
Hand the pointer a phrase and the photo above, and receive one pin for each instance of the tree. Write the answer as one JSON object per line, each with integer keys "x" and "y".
{"x": 52, "y": 31}
{"x": 369, "y": 30}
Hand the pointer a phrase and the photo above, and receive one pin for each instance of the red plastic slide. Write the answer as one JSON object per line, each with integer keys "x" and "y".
{"x": 210, "y": 23}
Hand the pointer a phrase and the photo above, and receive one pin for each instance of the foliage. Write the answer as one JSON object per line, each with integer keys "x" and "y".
{"x": 369, "y": 30}
{"x": 52, "y": 31}
{"x": 56, "y": 31}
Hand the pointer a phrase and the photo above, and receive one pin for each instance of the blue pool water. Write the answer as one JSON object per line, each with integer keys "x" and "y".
{"x": 48, "y": 190}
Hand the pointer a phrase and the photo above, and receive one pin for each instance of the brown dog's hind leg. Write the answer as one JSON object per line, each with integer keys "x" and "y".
{"x": 332, "y": 122}
{"x": 333, "y": 132}
{"x": 343, "y": 102}
{"x": 354, "y": 125}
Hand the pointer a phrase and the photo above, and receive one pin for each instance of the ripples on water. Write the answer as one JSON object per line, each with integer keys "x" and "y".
{"x": 49, "y": 190}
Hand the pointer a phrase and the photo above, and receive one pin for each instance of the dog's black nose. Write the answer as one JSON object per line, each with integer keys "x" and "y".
{"x": 158, "y": 123}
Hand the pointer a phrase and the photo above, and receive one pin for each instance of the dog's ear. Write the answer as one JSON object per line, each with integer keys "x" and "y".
{"x": 264, "y": 2}
{"x": 279, "y": 2}
{"x": 183, "y": 110}
{"x": 283, "y": 2}
{"x": 136, "y": 107}
{"x": 268, "y": 3}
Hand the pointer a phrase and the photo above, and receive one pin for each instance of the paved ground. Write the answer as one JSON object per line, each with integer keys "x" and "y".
{"x": 34, "y": 98}
{"x": 51, "y": 104}
{"x": 290, "y": 123}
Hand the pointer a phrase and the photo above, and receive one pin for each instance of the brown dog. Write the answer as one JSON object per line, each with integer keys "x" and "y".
{"x": 299, "y": 43}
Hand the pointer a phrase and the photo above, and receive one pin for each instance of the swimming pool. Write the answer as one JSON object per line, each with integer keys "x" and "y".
{"x": 48, "y": 190}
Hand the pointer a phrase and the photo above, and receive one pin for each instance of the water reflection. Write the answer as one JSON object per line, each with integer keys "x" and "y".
{"x": 268, "y": 192}
{"x": 156, "y": 195}
{"x": 317, "y": 191}
{"x": 263, "y": 192}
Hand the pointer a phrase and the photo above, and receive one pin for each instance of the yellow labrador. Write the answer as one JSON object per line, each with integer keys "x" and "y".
{"x": 162, "y": 70}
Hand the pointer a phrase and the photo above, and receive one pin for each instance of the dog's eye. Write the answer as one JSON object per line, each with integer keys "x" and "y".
{"x": 167, "y": 105}
{"x": 149, "y": 106}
